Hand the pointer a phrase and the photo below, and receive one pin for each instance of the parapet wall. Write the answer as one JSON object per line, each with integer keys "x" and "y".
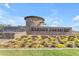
{"x": 7, "y": 35}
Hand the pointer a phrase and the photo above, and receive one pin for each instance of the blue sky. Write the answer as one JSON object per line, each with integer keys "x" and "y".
{"x": 60, "y": 14}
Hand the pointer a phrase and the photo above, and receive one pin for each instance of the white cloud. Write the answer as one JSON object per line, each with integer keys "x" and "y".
{"x": 55, "y": 22}
{"x": 7, "y": 18}
{"x": 11, "y": 21}
{"x": 75, "y": 25}
{"x": 53, "y": 19}
{"x": 76, "y": 18}
{"x": 2, "y": 12}
{"x": 75, "y": 28}
{"x": 7, "y": 5}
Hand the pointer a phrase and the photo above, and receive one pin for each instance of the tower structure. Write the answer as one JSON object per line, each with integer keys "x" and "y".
{"x": 33, "y": 21}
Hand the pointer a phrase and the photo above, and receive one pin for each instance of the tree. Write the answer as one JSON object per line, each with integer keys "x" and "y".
{"x": 1, "y": 26}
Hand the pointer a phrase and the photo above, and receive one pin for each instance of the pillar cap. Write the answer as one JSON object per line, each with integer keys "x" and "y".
{"x": 33, "y": 17}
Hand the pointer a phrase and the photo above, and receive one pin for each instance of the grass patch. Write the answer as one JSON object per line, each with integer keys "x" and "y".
{"x": 64, "y": 52}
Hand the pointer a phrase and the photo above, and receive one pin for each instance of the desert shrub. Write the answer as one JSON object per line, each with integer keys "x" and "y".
{"x": 49, "y": 43}
{"x": 39, "y": 41}
{"x": 77, "y": 36}
{"x": 18, "y": 39}
{"x": 77, "y": 41}
{"x": 71, "y": 38}
{"x": 2, "y": 46}
{"x": 38, "y": 46}
{"x": 6, "y": 45}
{"x": 24, "y": 36}
{"x": 16, "y": 46}
{"x": 69, "y": 44}
{"x": 77, "y": 44}
{"x": 44, "y": 44}
{"x": 53, "y": 45}
{"x": 52, "y": 38}
{"x": 39, "y": 37}
{"x": 63, "y": 41}
{"x": 63, "y": 37}
{"x": 29, "y": 37}
{"x": 60, "y": 46}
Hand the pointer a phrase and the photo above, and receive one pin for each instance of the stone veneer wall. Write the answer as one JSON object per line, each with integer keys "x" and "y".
{"x": 49, "y": 33}
{"x": 11, "y": 35}
{"x": 7, "y": 35}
